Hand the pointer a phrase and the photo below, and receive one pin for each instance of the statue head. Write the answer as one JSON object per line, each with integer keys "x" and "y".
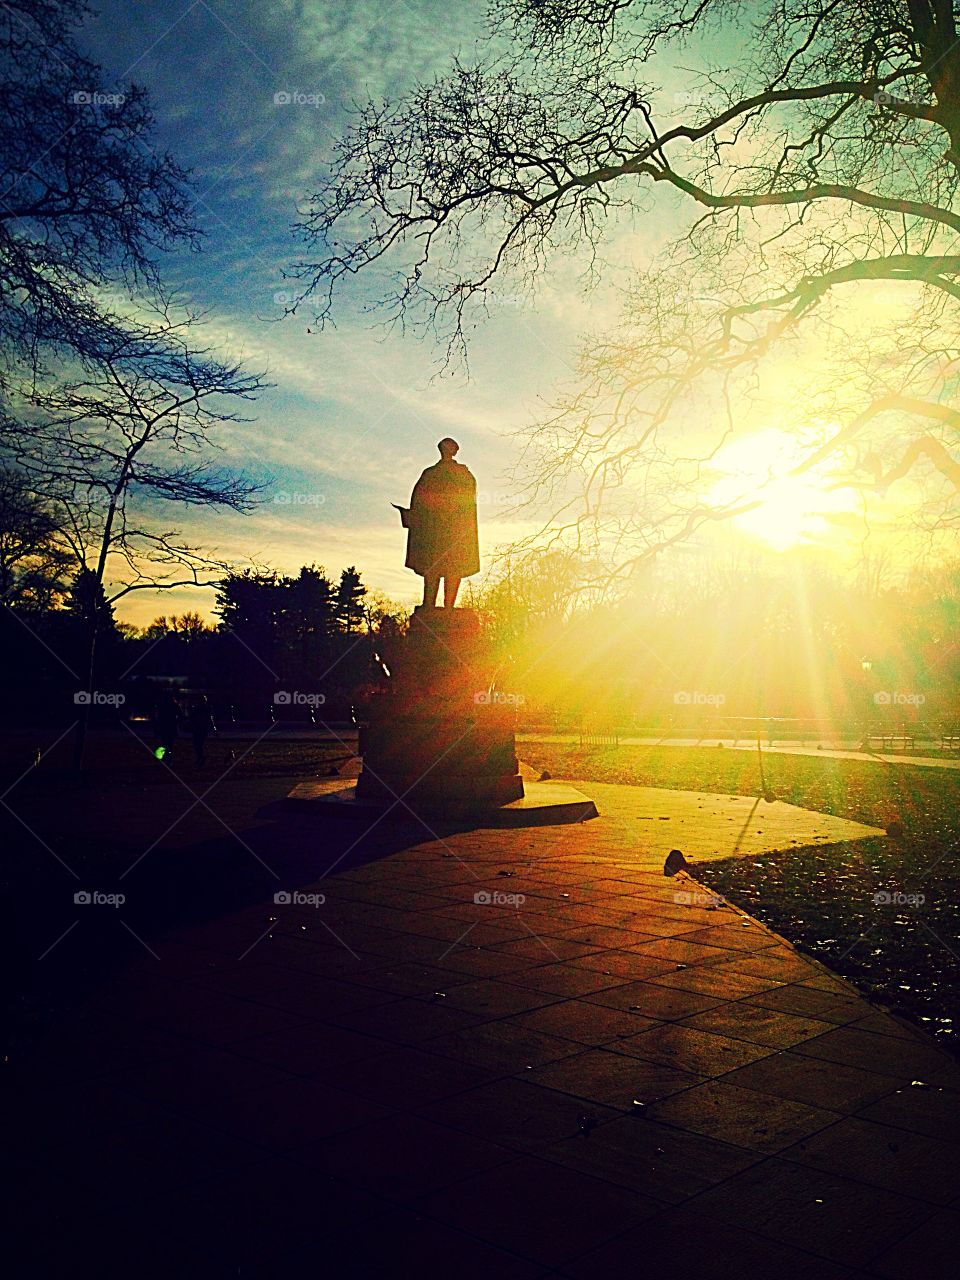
{"x": 448, "y": 448}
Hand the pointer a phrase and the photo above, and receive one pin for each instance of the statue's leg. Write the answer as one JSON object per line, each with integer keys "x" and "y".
{"x": 451, "y": 586}
{"x": 431, "y": 585}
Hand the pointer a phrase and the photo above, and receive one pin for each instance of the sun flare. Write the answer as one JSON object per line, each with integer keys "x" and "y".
{"x": 786, "y": 510}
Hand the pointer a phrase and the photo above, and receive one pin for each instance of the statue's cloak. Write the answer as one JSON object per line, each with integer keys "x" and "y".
{"x": 442, "y": 529}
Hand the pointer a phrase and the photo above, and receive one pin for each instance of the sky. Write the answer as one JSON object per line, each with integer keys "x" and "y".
{"x": 356, "y": 411}
{"x": 252, "y": 97}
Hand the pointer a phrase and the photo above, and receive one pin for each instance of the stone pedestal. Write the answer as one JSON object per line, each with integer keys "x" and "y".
{"x": 438, "y": 736}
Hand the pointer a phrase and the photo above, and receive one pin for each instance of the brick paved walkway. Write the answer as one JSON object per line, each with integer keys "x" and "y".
{"x": 614, "y": 1077}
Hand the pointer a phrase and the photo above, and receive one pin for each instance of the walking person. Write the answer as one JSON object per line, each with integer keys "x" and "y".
{"x": 200, "y": 723}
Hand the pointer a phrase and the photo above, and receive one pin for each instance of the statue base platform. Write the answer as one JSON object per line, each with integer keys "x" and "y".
{"x": 542, "y": 804}
{"x": 439, "y": 736}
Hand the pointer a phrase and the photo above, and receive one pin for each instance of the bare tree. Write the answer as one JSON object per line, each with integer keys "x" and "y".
{"x": 815, "y": 160}
{"x": 107, "y": 446}
{"x": 35, "y": 562}
{"x": 87, "y": 201}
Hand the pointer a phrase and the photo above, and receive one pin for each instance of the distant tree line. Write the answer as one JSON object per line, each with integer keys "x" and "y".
{"x": 288, "y": 646}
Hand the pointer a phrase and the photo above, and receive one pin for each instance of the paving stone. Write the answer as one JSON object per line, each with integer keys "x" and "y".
{"x": 685, "y": 1047}
{"x": 746, "y": 1020}
{"x": 409, "y": 1021}
{"x": 810, "y": 1002}
{"x": 564, "y": 979}
{"x": 654, "y": 1001}
{"x": 742, "y": 935}
{"x": 585, "y": 1023}
{"x": 934, "y": 1111}
{"x": 930, "y": 1250}
{"x": 502, "y": 1046}
{"x": 742, "y": 1117}
{"x": 845, "y": 1221}
{"x": 492, "y": 999}
{"x": 908, "y": 1163}
{"x": 894, "y": 1056}
{"x": 678, "y": 949}
{"x": 613, "y": 1079}
{"x": 628, "y": 965}
{"x": 540, "y": 950}
{"x": 831, "y": 1085}
{"x": 518, "y": 1114}
{"x": 657, "y": 1160}
{"x": 688, "y": 1245}
{"x": 712, "y": 982}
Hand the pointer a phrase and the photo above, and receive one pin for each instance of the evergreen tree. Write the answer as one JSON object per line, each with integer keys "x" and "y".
{"x": 350, "y": 600}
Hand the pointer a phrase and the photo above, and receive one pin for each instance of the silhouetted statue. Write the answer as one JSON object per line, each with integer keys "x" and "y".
{"x": 442, "y": 524}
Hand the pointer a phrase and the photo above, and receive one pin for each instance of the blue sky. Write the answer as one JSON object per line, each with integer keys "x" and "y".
{"x": 356, "y": 412}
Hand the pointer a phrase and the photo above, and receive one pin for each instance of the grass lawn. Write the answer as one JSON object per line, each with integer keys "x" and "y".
{"x": 905, "y": 953}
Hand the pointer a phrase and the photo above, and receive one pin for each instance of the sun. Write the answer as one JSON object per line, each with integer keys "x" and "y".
{"x": 785, "y": 510}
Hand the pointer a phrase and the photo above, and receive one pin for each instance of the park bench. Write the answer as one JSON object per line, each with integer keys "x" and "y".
{"x": 589, "y": 739}
{"x": 950, "y": 738}
{"x": 890, "y": 739}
